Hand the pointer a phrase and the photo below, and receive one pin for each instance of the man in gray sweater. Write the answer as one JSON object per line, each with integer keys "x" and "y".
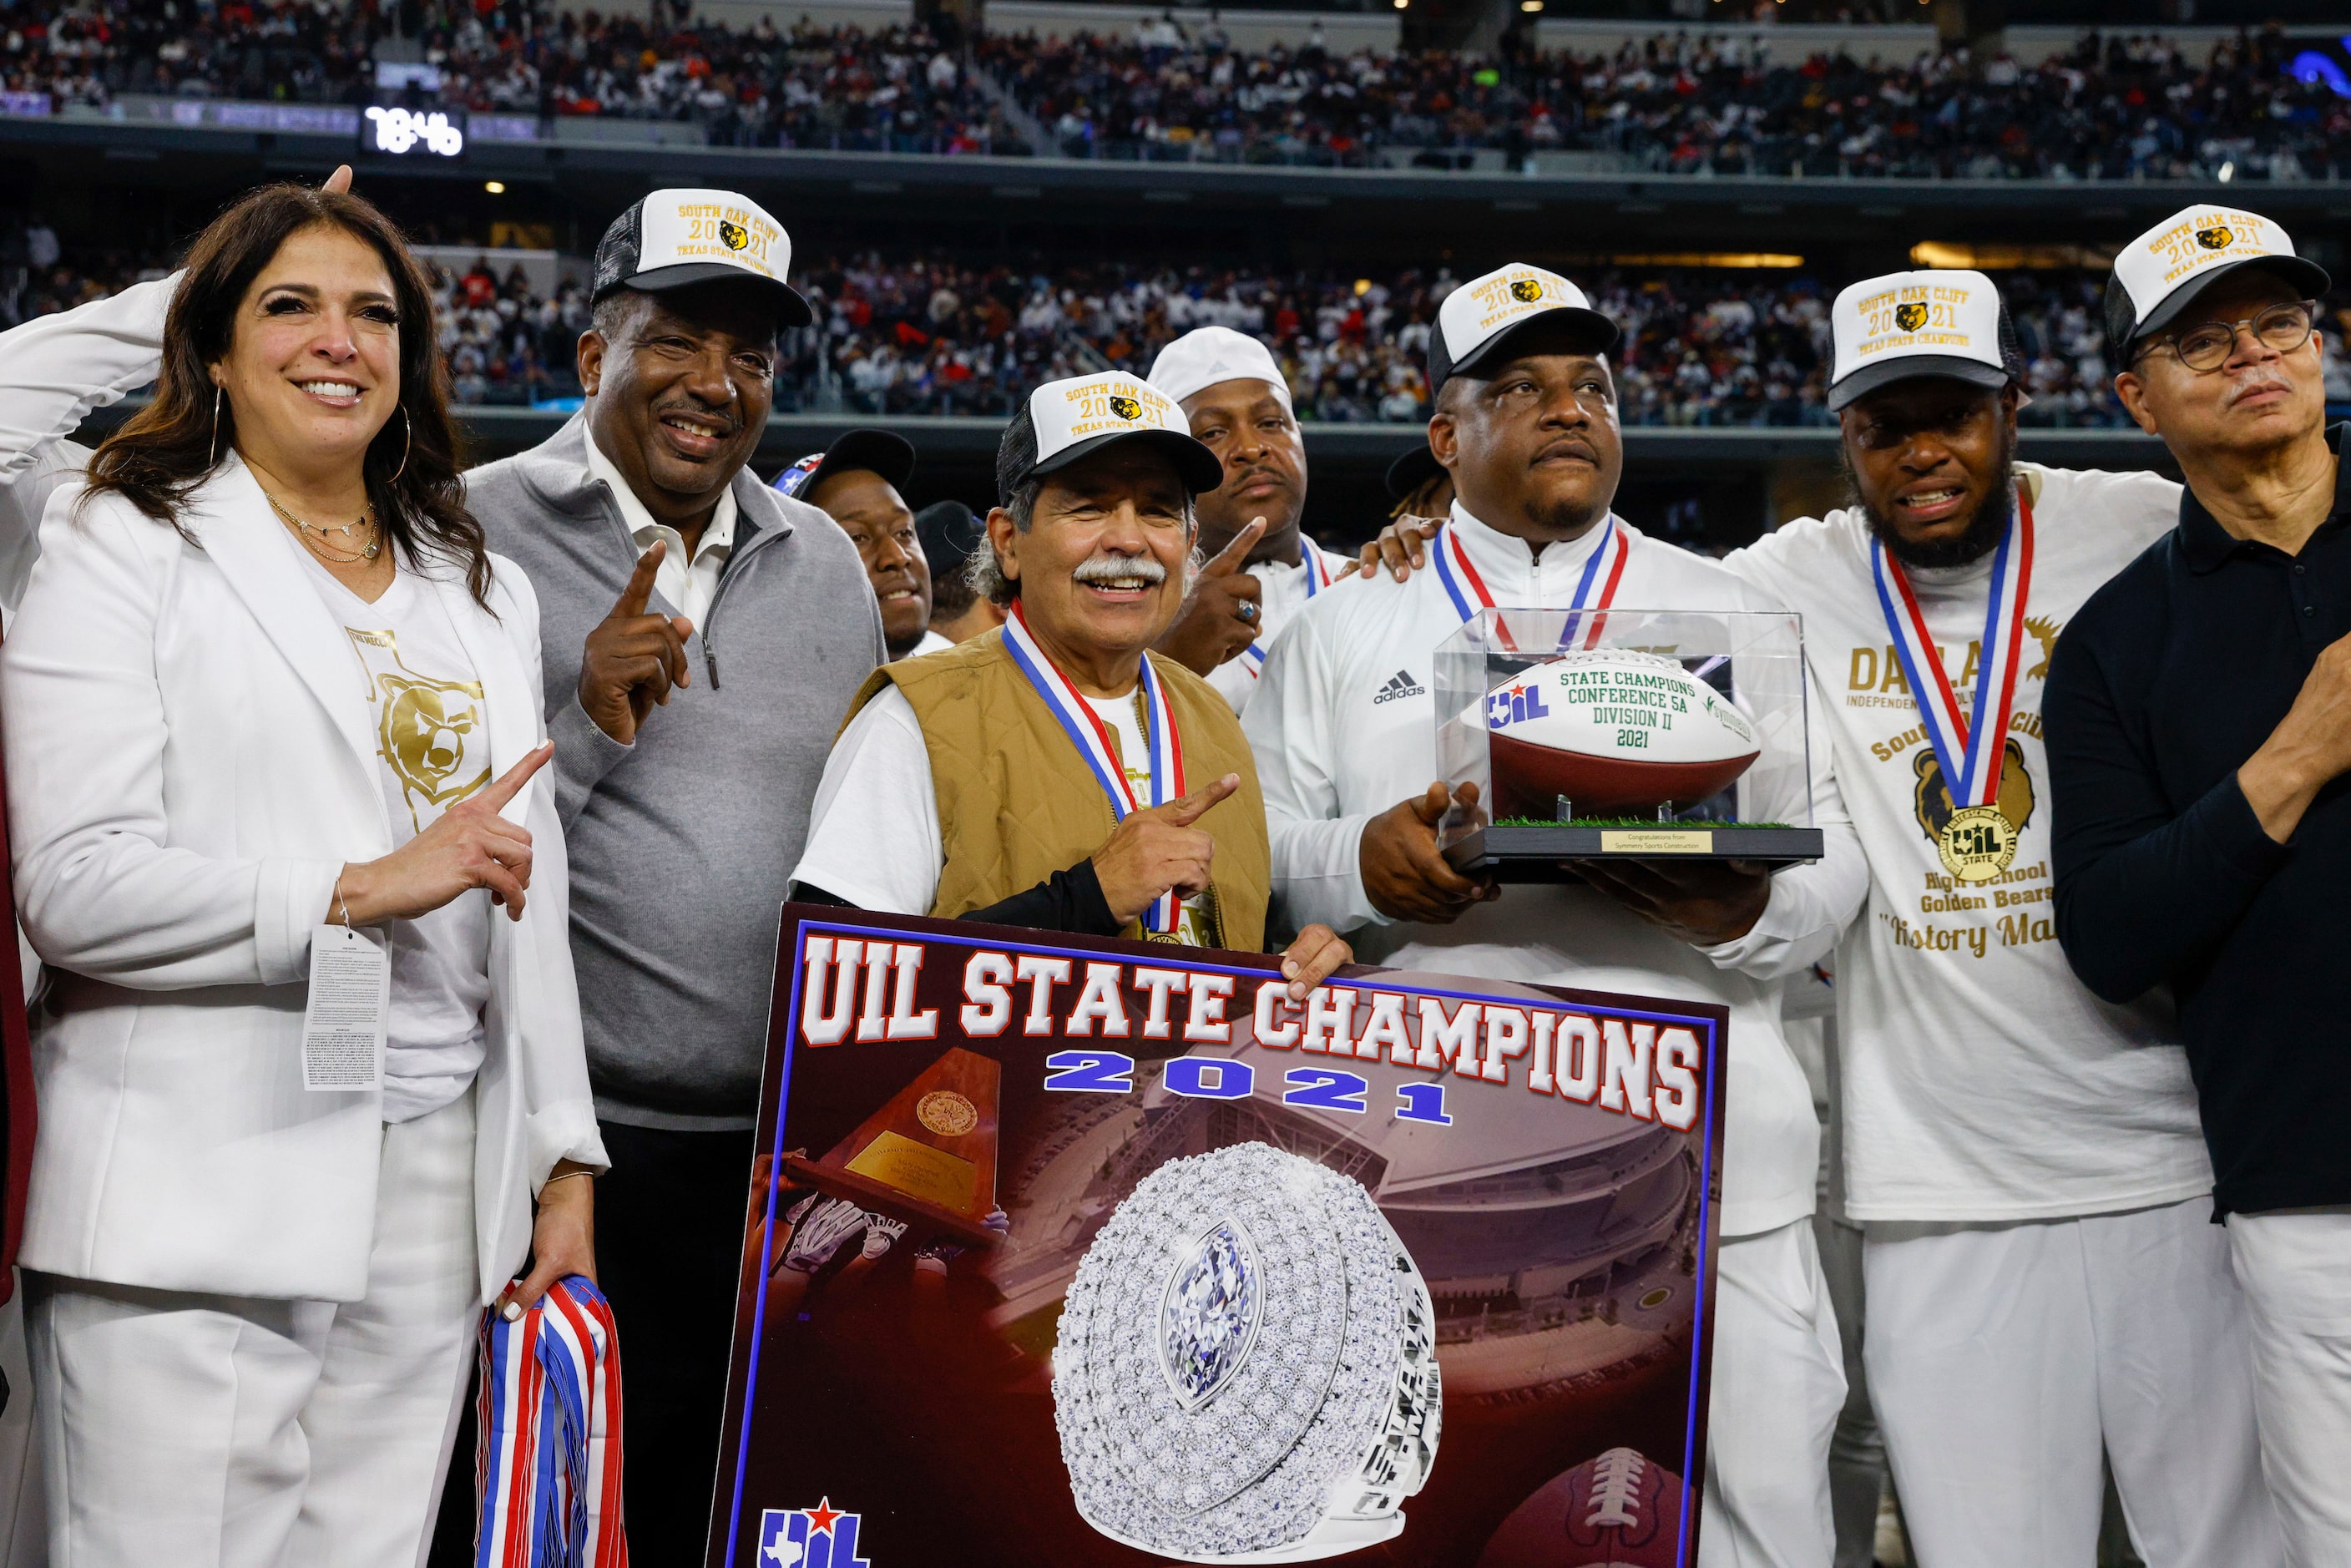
{"x": 669, "y": 578}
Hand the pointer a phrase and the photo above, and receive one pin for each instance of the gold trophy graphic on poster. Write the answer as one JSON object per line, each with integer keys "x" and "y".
{"x": 927, "y": 1157}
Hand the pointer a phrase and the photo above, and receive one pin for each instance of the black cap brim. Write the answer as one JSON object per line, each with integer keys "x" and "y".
{"x": 1200, "y": 469}
{"x": 950, "y": 532}
{"x": 1911, "y": 368}
{"x": 1599, "y": 334}
{"x": 2298, "y": 273}
{"x": 792, "y": 310}
{"x": 881, "y": 452}
{"x": 1408, "y": 472}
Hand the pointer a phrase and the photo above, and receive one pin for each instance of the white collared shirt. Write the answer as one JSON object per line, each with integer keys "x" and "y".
{"x": 687, "y": 584}
{"x": 1344, "y": 727}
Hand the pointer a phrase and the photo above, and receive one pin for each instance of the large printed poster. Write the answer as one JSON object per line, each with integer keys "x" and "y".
{"x": 1105, "y": 1253}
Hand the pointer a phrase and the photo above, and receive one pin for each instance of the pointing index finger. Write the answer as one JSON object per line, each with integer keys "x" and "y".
{"x": 639, "y": 590}
{"x": 1195, "y": 806}
{"x": 1229, "y": 560}
{"x": 502, "y": 789}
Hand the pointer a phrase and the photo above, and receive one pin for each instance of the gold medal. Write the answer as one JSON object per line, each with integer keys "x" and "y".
{"x": 946, "y": 1113}
{"x": 1977, "y": 844}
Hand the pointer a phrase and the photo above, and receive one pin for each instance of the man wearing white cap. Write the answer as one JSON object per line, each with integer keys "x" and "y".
{"x": 1239, "y": 405}
{"x": 668, "y": 576}
{"x": 2200, "y": 726}
{"x": 1344, "y": 730}
{"x": 1054, "y": 773}
{"x": 2043, "y": 1290}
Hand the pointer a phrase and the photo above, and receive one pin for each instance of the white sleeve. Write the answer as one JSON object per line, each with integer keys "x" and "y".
{"x": 1811, "y": 905}
{"x": 53, "y": 370}
{"x": 1317, "y": 850}
{"x": 873, "y": 835}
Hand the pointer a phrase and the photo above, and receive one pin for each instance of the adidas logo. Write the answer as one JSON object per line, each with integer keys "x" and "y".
{"x": 1400, "y": 685}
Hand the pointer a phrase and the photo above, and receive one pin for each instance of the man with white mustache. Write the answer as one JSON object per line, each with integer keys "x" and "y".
{"x": 1055, "y": 773}
{"x": 2200, "y": 726}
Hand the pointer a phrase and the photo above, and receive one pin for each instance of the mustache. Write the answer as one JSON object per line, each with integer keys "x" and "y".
{"x": 1112, "y": 568}
{"x": 693, "y": 409}
{"x": 2258, "y": 381}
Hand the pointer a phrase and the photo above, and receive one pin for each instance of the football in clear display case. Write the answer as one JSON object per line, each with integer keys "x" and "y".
{"x": 1623, "y": 734}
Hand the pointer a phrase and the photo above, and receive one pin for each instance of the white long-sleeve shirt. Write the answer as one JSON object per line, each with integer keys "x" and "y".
{"x": 54, "y": 369}
{"x": 1344, "y": 727}
{"x": 1982, "y": 1081}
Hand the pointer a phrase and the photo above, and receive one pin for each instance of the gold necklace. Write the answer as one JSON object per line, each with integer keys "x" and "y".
{"x": 368, "y": 551}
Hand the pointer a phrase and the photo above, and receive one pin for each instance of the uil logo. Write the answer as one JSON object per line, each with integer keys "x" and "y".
{"x": 1911, "y": 315}
{"x": 1526, "y": 291}
{"x": 1126, "y": 408}
{"x": 1933, "y": 797}
{"x": 2217, "y": 237}
{"x": 733, "y": 235}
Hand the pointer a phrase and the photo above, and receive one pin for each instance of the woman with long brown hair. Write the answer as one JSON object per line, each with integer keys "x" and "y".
{"x": 309, "y": 1057}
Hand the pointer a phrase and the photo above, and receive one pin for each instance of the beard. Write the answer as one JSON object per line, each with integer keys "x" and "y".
{"x": 1978, "y": 539}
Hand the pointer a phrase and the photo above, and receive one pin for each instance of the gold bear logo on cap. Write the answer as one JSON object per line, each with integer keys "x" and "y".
{"x": 732, "y": 235}
{"x": 1526, "y": 289}
{"x": 1911, "y": 315}
{"x": 2214, "y": 238}
{"x": 1126, "y": 408}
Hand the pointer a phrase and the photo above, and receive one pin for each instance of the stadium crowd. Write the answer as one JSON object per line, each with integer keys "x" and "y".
{"x": 2115, "y": 108}
{"x": 932, "y": 335}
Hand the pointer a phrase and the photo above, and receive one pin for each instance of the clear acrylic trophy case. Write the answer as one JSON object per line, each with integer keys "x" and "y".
{"x": 1636, "y": 734}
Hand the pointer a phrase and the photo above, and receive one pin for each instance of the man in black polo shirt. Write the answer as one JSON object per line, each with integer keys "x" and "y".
{"x": 2198, "y": 719}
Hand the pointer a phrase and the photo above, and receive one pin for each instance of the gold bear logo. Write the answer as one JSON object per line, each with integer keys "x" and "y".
{"x": 1910, "y": 315}
{"x": 1126, "y": 408}
{"x": 733, "y": 235}
{"x": 2216, "y": 238}
{"x": 1526, "y": 291}
{"x": 1933, "y": 798}
{"x": 2046, "y": 631}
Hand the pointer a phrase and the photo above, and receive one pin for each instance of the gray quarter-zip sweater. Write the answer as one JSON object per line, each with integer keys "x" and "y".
{"x": 682, "y": 843}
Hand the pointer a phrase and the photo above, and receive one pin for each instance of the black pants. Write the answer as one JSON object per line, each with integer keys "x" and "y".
{"x": 669, "y": 1248}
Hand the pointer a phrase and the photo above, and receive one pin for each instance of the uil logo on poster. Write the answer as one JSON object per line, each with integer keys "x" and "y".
{"x": 819, "y": 1537}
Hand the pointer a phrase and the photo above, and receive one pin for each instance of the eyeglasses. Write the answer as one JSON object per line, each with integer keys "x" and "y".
{"x": 2204, "y": 349}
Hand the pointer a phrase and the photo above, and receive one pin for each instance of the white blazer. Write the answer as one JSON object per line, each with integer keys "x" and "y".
{"x": 190, "y": 764}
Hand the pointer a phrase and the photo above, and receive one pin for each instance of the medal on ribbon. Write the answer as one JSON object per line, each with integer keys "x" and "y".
{"x": 1087, "y": 732}
{"x": 1978, "y": 842}
{"x": 1606, "y": 569}
{"x": 1318, "y": 577}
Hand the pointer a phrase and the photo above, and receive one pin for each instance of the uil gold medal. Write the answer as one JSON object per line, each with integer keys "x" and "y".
{"x": 1977, "y": 844}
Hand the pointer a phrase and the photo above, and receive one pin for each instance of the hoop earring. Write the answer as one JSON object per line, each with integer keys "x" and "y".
{"x": 212, "y": 457}
{"x": 407, "y": 435}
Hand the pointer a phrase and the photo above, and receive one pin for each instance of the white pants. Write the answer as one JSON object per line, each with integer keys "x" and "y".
{"x": 2004, "y": 1358}
{"x": 1779, "y": 1382}
{"x": 2295, "y": 1268}
{"x": 234, "y": 1432}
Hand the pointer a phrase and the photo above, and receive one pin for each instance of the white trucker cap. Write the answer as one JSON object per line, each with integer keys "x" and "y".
{"x": 1080, "y": 415}
{"x": 1947, "y": 323}
{"x": 675, "y": 237}
{"x": 1484, "y": 313}
{"x": 2157, "y": 274}
{"x": 1207, "y": 355}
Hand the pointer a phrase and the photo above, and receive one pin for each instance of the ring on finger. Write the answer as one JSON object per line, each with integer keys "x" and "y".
{"x": 1247, "y": 610}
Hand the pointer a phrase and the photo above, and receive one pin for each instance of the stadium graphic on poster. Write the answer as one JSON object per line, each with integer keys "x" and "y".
{"x": 1101, "y": 1253}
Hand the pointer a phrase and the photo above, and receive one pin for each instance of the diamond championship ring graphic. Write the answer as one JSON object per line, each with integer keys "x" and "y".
{"x": 1246, "y": 1369}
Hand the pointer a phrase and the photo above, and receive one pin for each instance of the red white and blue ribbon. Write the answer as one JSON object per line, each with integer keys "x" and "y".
{"x": 548, "y": 1468}
{"x": 1606, "y": 569}
{"x": 1969, "y": 753}
{"x": 1087, "y": 732}
{"x": 1318, "y": 577}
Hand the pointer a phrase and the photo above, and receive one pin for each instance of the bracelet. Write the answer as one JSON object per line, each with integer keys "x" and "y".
{"x": 565, "y": 1176}
{"x": 341, "y": 903}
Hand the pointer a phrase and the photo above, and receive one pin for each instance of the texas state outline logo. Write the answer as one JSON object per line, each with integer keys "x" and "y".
{"x": 819, "y": 1537}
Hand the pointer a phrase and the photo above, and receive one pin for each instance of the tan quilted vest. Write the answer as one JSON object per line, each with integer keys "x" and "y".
{"x": 1017, "y": 803}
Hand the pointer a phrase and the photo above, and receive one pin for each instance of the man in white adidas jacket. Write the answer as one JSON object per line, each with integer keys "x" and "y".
{"x": 1343, "y": 728}
{"x": 1237, "y": 404}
